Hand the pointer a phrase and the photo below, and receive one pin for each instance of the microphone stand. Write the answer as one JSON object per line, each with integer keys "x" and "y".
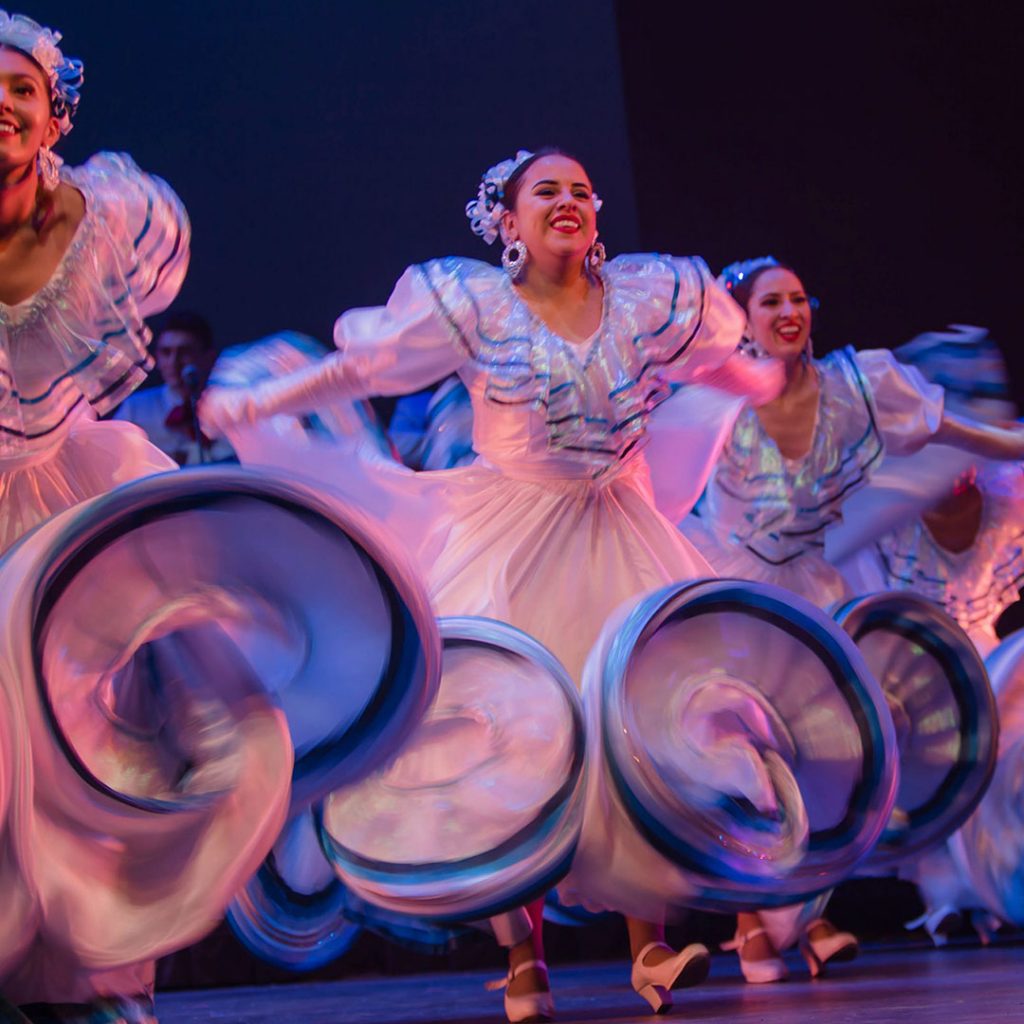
{"x": 193, "y": 385}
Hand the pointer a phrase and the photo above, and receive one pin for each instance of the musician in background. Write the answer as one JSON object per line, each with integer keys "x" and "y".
{"x": 184, "y": 352}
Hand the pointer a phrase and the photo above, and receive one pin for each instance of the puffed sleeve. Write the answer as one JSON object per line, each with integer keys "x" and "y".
{"x": 382, "y": 350}
{"x": 403, "y": 346}
{"x": 686, "y": 326}
{"x": 143, "y": 246}
{"x": 907, "y": 407}
{"x": 126, "y": 261}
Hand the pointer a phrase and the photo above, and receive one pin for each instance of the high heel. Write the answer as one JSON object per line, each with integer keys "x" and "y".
{"x": 937, "y": 923}
{"x": 836, "y": 947}
{"x": 531, "y": 1008}
{"x": 688, "y": 967}
{"x": 986, "y": 925}
{"x": 757, "y": 972}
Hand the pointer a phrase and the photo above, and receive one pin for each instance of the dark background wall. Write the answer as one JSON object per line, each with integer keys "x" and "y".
{"x": 875, "y": 147}
{"x": 323, "y": 145}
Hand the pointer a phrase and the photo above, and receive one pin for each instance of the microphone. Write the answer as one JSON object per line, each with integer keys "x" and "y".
{"x": 192, "y": 380}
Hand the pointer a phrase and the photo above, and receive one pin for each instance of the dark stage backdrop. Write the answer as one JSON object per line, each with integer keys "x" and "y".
{"x": 323, "y": 145}
{"x": 875, "y": 147}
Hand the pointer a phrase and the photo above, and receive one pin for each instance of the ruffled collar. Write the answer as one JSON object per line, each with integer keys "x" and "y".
{"x": 786, "y": 503}
{"x": 976, "y": 584}
{"x": 595, "y": 404}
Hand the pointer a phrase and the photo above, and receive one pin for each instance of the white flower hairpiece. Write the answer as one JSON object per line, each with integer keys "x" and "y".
{"x": 65, "y": 75}
{"x": 485, "y": 211}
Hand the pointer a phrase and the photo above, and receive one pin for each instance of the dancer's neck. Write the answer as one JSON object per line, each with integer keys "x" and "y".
{"x": 19, "y": 191}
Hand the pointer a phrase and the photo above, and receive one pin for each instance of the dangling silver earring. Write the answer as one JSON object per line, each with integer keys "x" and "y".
{"x": 513, "y": 258}
{"x": 596, "y": 256}
{"x": 49, "y": 168}
{"x": 751, "y": 348}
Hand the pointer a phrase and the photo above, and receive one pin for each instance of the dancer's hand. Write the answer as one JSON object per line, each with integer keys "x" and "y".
{"x": 760, "y": 380}
{"x": 220, "y": 409}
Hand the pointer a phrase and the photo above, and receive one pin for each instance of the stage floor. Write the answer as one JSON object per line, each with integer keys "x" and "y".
{"x": 964, "y": 985}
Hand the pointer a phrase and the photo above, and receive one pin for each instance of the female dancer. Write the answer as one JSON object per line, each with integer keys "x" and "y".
{"x": 952, "y": 525}
{"x": 564, "y": 357}
{"x": 85, "y": 254}
{"x": 784, "y": 473}
{"x": 961, "y": 546}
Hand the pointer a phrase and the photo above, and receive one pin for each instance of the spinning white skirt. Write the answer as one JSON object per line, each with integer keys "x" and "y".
{"x": 989, "y": 849}
{"x": 151, "y": 637}
{"x": 947, "y": 724}
{"x": 481, "y": 810}
{"x": 740, "y": 754}
{"x": 294, "y": 911}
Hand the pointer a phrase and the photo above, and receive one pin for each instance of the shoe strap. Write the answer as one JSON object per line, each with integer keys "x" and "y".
{"x": 652, "y": 945}
{"x": 514, "y": 972}
{"x": 739, "y": 941}
{"x": 811, "y": 925}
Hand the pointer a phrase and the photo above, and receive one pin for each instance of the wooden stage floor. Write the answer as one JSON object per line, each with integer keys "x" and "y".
{"x": 904, "y": 985}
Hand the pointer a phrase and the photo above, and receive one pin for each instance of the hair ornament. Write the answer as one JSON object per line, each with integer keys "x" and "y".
{"x": 485, "y": 211}
{"x": 736, "y": 272}
{"x": 65, "y": 75}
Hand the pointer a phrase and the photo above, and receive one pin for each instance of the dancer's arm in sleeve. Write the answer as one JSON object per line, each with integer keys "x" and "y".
{"x": 392, "y": 349}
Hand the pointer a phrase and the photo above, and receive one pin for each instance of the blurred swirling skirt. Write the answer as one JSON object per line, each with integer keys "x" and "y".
{"x": 85, "y": 459}
{"x": 989, "y": 849}
{"x": 740, "y": 754}
{"x": 532, "y": 544}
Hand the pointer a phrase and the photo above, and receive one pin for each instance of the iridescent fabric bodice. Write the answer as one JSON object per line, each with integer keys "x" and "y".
{"x": 777, "y": 509}
{"x": 80, "y": 341}
{"x": 542, "y": 405}
{"x": 975, "y": 585}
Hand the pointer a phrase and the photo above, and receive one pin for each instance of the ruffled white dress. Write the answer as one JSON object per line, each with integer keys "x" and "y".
{"x": 84, "y": 914}
{"x": 77, "y": 347}
{"x": 974, "y": 586}
{"x": 553, "y": 527}
{"x": 764, "y": 517}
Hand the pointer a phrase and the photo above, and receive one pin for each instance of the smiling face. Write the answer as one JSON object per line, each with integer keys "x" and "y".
{"x": 26, "y": 121}
{"x": 779, "y": 314}
{"x": 554, "y": 209}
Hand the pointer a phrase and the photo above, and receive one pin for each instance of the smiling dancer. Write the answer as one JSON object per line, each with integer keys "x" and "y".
{"x": 782, "y": 478}
{"x": 85, "y": 254}
{"x": 956, "y": 536}
{"x": 564, "y": 356}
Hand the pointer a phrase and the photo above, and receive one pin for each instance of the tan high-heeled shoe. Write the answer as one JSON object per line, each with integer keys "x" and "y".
{"x": 688, "y": 967}
{"x": 532, "y": 1007}
{"x": 836, "y": 947}
{"x": 757, "y": 972}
